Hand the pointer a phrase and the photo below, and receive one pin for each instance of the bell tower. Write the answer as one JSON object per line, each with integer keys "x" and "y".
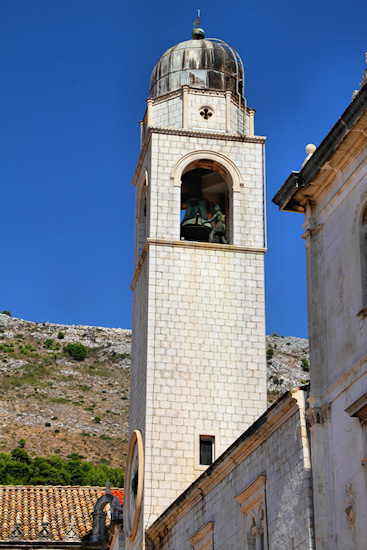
{"x": 198, "y": 367}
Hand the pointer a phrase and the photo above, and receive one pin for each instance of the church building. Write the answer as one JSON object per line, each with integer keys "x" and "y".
{"x": 209, "y": 467}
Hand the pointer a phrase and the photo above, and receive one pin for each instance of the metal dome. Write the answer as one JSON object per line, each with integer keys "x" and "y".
{"x": 208, "y": 64}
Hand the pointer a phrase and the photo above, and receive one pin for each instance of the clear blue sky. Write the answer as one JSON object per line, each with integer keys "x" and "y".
{"x": 74, "y": 79}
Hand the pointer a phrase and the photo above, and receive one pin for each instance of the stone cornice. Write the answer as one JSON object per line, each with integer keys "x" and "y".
{"x": 190, "y": 133}
{"x": 345, "y": 380}
{"x": 318, "y": 415}
{"x": 192, "y": 244}
{"x": 251, "y": 493}
{"x": 205, "y": 134}
{"x": 197, "y": 91}
{"x": 178, "y": 93}
{"x": 359, "y": 409}
{"x": 250, "y": 440}
{"x": 285, "y": 197}
{"x": 202, "y": 533}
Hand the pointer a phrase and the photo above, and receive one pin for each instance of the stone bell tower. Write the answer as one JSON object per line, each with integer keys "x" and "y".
{"x": 198, "y": 371}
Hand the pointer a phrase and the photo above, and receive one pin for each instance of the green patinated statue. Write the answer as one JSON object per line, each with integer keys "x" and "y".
{"x": 219, "y": 228}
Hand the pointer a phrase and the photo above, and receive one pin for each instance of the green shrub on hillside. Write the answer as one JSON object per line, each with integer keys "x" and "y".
{"x": 77, "y": 351}
{"x": 48, "y": 343}
{"x": 305, "y": 365}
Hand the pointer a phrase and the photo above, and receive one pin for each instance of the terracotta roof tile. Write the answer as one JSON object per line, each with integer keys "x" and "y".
{"x": 57, "y": 502}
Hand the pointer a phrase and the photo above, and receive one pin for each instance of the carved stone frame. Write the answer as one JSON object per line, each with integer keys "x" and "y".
{"x": 358, "y": 409}
{"x": 203, "y": 539}
{"x": 253, "y": 508}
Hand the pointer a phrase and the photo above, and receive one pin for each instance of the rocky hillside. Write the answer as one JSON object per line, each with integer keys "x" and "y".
{"x": 287, "y": 364}
{"x": 58, "y": 404}
{"x": 61, "y": 402}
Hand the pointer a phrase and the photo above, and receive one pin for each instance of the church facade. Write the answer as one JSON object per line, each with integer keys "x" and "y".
{"x": 331, "y": 191}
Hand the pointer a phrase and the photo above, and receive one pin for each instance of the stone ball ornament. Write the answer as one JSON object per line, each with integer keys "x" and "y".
{"x": 310, "y": 148}
{"x": 133, "y": 484}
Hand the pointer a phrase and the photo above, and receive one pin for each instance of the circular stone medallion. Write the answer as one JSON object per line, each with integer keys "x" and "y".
{"x": 133, "y": 484}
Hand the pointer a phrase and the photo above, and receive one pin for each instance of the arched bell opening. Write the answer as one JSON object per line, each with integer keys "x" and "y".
{"x": 205, "y": 204}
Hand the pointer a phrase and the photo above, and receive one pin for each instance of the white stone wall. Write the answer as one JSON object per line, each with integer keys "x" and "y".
{"x": 338, "y": 337}
{"x": 239, "y": 120}
{"x": 142, "y": 225}
{"x": 338, "y": 350}
{"x": 283, "y": 458}
{"x": 167, "y": 112}
{"x": 205, "y": 362}
{"x": 137, "y": 414}
{"x": 216, "y": 102}
{"x": 339, "y": 446}
{"x": 138, "y": 379}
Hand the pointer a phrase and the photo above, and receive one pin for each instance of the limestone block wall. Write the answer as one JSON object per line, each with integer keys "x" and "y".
{"x": 239, "y": 120}
{"x": 282, "y": 457}
{"x": 206, "y": 366}
{"x": 340, "y": 447}
{"x": 216, "y": 102}
{"x": 142, "y": 193}
{"x": 338, "y": 335}
{"x": 138, "y": 380}
{"x": 198, "y": 350}
{"x": 139, "y": 343}
{"x": 247, "y": 224}
{"x": 168, "y": 112}
{"x": 338, "y": 349}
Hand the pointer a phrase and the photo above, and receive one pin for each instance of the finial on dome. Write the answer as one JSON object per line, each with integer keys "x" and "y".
{"x": 197, "y": 33}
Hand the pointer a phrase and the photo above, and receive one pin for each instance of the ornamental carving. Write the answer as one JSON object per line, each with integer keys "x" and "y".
{"x": 17, "y": 532}
{"x": 44, "y": 533}
{"x": 318, "y": 415}
{"x": 72, "y": 534}
{"x": 351, "y": 507}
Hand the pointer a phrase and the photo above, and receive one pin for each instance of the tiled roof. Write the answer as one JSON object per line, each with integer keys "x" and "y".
{"x": 60, "y": 504}
{"x": 119, "y": 493}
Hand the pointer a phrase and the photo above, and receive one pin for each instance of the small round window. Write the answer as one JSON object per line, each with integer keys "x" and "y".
{"x": 206, "y": 112}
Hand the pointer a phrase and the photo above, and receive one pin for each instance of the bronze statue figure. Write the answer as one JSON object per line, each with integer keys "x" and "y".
{"x": 219, "y": 228}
